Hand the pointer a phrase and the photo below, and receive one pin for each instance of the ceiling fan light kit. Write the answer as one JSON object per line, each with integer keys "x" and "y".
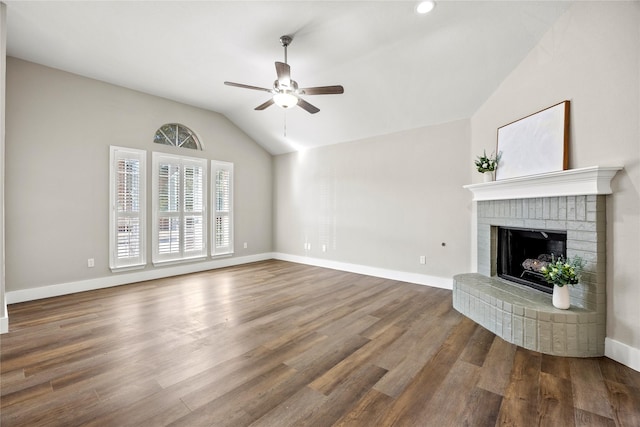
{"x": 285, "y": 91}
{"x": 285, "y": 100}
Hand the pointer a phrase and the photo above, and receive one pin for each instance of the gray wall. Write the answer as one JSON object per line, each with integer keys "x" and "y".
{"x": 382, "y": 201}
{"x": 59, "y": 129}
{"x": 591, "y": 57}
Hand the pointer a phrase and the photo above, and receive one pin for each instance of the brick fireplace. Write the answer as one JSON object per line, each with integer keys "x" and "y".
{"x": 572, "y": 201}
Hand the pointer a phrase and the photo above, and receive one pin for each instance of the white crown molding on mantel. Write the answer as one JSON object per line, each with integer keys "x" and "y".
{"x": 571, "y": 182}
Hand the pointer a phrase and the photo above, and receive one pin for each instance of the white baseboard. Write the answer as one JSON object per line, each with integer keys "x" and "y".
{"x": 420, "y": 279}
{"x": 623, "y": 353}
{"x": 4, "y": 320}
{"x": 118, "y": 279}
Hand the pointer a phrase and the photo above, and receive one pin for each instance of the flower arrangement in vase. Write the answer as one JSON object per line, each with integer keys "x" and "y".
{"x": 487, "y": 165}
{"x": 561, "y": 273}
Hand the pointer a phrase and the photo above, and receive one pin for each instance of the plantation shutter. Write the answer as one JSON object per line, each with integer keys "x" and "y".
{"x": 194, "y": 220}
{"x": 222, "y": 177}
{"x": 179, "y": 202}
{"x": 128, "y": 202}
{"x": 168, "y": 211}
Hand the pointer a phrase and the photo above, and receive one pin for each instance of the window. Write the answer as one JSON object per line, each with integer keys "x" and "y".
{"x": 127, "y": 214}
{"x": 177, "y": 135}
{"x": 179, "y": 208}
{"x": 222, "y": 184}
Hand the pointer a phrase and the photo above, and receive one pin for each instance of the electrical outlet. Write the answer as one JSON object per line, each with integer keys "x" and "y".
{"x": 423, "y": 259}
{"x": 324, "y": 248}
{"x": 91, "y": 263}
{"x": 245, "y": 245}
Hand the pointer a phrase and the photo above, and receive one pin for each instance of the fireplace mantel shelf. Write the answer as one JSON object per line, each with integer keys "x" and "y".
{"x": 572, "y": 182}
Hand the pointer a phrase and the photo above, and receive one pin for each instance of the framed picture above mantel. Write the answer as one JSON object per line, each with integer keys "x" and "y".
{"x": 536, "y": 144}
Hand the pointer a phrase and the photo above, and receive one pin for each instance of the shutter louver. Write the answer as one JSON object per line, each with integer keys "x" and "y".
{"x": 222, "y": 232}
{"x": 128, "y": 240}
{"x": 168, "y": 236}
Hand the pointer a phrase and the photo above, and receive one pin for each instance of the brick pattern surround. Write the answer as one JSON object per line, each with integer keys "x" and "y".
{"x": 525, "y": 316}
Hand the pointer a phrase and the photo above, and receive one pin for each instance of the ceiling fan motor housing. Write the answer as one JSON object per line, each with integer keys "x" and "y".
{"x": 279, "y": 87}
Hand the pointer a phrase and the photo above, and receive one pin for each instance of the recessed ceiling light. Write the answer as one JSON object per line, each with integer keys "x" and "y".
{"x": 425, "y": 6}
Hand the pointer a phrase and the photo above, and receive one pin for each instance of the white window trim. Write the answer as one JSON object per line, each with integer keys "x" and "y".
{"x": 217, "y": 165}
{"x": 140, "y": 261}
{"x": 158, "y": 258}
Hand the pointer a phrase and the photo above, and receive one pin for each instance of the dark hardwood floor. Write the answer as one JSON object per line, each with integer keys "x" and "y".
{"x": 282, "y": 344}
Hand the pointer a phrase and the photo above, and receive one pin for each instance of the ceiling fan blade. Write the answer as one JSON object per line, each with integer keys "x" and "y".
{"x": 323, "y": 90}
{"x": 247, "y": 86}
{"x": 264, "y": 105}
{"x": 284, "y": 73}
{"x": 306, "y": 106}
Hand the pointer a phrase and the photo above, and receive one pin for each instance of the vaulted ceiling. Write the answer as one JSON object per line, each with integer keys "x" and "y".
{"x": 400, "y": 70}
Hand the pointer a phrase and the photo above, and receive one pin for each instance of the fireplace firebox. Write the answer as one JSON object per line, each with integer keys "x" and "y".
{"x": 523, "y": 252}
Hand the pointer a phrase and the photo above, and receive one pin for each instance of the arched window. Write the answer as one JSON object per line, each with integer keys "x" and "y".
{"x": 177, "y": 135}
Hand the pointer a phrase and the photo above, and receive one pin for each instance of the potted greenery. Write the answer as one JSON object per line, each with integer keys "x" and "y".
{"x": 561, "y": 273}
{"x": 487, "y": 165}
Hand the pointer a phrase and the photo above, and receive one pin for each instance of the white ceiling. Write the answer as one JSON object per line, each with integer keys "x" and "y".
{"x": 400, "y": 70}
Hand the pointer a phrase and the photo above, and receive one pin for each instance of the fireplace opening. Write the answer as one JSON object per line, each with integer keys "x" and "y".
{"x": 523, "y": 252}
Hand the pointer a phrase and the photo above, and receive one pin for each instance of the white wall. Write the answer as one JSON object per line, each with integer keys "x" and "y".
{"x": 591, "y": 57}
{"x": 59, "y": 129}
{"x": 380, "y": 202}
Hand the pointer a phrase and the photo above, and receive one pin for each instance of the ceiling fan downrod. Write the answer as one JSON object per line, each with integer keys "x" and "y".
{"x": 285, "y": 41}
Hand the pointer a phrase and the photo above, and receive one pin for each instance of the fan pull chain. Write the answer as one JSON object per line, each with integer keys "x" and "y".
{"x": 285, "y": 124}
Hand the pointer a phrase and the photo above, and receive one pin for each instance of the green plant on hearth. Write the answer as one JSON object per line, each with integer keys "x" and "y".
{"x": 562, "y": 271}
{"x": 486, "y": 163}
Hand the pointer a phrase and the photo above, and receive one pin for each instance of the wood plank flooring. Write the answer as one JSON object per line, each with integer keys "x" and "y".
{"x": 283, "y": 344}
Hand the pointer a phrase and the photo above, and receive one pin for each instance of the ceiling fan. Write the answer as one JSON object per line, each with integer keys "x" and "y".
{"x": 286, "y": 92}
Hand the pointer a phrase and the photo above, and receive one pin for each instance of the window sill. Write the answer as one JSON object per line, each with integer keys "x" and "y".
{"x": 179, "y": 261}
{"x": 225, "y": 255}
{"x": 128, "y": 268}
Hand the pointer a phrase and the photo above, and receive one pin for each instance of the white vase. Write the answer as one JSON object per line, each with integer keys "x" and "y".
{"x": 561, "y": 297}
{"x": 487, "y": 176}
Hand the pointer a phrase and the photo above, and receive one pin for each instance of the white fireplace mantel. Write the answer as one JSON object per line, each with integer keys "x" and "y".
{"x": 572, "y": 182}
